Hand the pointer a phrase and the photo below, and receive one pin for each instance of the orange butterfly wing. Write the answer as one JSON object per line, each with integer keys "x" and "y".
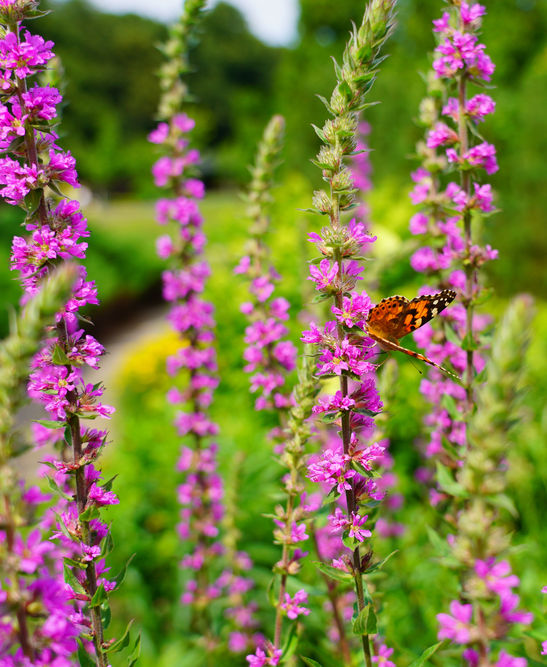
{"x": 395, "y": 317}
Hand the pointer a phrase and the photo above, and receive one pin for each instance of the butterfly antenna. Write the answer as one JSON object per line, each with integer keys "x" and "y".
{"x": 416, "y": 367}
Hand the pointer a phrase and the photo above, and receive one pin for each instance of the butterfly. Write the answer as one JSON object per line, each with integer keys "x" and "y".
{"x": 395, "y": 317}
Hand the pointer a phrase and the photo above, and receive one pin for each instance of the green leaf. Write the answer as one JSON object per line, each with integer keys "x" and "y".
{"x": 310, "y": 662}
{"x": 72, "y": 581}
{"x": 91, "y": 512}
{"x": 449, "y": 404}
{"x": 333, "y": 572}
{"x": 469, "y": 344}
{"x": 132, "y": 659}
{"x": 365, "y": 623}
{"x": 55, "y": 487}
{"x": 332, "y": 496}
{"x": 83, "y": 318}
{"x": 122, "y": 643}
{"x": 59, "y": 357}
{"x": 345, "y": 90}
{"x": 14, "y": 144}
{"x": 36, "y": 13}
{"x": 319, "y": 133}
{"x": 107, "y": 486}
{"x": 329, "y": 108}
{"x": 505, "y": 502}
{"x": 482, "y": 376}
{"x": 426, "y": 655}
{"x": 49, "y": 464}
{"x": 321, "y": 297}
{"x": 362, "y": 107}
{"x": 119, "y": 578}
{"x": 84, "y": 658}
{"x": 106, "y": 615}
{"x": 364, "y": 54}
{"x": 289, "y": 647}
{"x": 75, "y": 563}
{"x": 62, "y": 526}
{"x": 68, "y": 436}
{"x": 371, "y": 504}
{"x": 100, "y": 596}
{"x": 52, "y": 185}
{"x": 107, "y": 544}
{"x": 33, "y": 199}
{"x": 350, "y": 542}
{"x": 50, "y": 423}
{"x": 323, "y": 165}
{"x": 270, "y": 592}
{"x": 380, "y": 563}
{"x": 364, "y": 411}
{"x": 330, "y": 417}
{"x": 438, "y": 543}
{"x": 363, "y": 471}
{"x": 447, "y": 483}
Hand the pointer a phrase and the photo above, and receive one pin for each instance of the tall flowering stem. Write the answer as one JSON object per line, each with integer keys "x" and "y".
{"x": 195, "y": 363}
{"x": 344, "y": 351}
{"x": 489, "y": 607}
{"x": 470, "y": 469}
{"x": 268, "y": 357}
{"x": 32, "y": 179}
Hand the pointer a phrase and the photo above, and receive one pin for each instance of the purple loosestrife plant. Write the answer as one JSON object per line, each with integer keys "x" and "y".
{"x": 344, "y": 350}
{"x": 201, "y": 492}
{"x": 487, "y": 611}
{"x": 33, "y": 173}
{"x": 459, "y": 436}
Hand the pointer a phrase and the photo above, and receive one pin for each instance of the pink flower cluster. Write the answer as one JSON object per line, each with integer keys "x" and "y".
{"x": 444, "y": 258}
{"x": 491, "y": 581}
{"x": 345, "y": 351}
{"x": 201, "y": 493}
{"x": 459, "y": 51}
{"x": 268, "y": 356}
{"x": 56, "y": 229}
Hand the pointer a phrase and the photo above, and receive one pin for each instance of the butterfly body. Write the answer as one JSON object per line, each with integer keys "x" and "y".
{"x": 395, "y": 317}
